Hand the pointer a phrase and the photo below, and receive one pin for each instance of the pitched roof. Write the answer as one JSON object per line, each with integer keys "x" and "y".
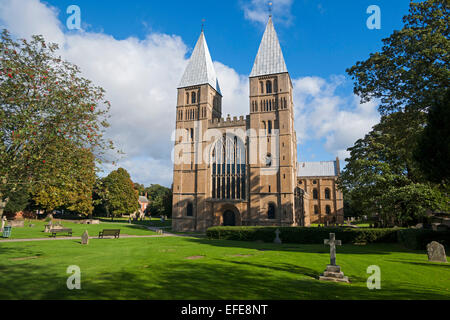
{"x": 200, "y": 69}
{"x": 269, "y": 59}
{"x": 143, "y": 199}
{"x": 317, "y": 169}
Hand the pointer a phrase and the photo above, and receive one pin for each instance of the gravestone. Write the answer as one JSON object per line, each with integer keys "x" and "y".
{"x": 277, "y": 238}
{"x": 333, "y": 272}
{"x": 436, "y": 252}
{"x": 85, "y": 237}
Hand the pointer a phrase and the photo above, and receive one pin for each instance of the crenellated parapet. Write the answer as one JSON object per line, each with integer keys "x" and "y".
{"x": 227, "y": 122}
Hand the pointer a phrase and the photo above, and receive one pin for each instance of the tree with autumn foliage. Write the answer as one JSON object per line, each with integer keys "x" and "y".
{"x": 52, "y": 123}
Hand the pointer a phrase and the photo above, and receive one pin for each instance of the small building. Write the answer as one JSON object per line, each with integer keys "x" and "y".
{"x": 323, "y": 201}
{"x": 143, "y": 203}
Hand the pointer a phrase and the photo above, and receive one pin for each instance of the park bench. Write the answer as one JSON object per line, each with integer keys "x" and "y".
{"x": 55, "y": 231}
{"x": 109, "y": 232}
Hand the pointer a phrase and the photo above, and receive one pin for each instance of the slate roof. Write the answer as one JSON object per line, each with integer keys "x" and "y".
{"x": 200, "y": 68}
{"x": 269, "y": 59}
{"x": 143, "y": 199}
{"x": 317, "y": 169}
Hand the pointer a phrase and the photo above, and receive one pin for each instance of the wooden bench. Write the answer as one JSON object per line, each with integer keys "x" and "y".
{"x": 109, "y": 232}
{"x": 55, "y": 231}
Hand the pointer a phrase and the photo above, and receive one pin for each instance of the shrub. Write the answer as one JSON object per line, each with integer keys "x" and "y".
{"x": 303, "y": 235}
{"x": 418, "y": 239}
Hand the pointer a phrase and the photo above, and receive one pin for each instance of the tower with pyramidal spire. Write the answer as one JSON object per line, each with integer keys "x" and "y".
{"x": 239, "y": 171}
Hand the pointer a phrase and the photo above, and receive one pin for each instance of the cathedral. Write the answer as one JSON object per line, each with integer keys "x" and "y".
{"x": 244, "y": 171}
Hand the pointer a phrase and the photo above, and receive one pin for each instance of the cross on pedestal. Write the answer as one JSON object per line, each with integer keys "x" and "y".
{"x": 332, "y": 242}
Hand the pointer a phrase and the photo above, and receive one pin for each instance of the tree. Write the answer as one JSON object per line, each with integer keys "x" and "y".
{"x": 433, "y": 150}
{"x": 45, "y": 105}
{"x": 122, "y": 197}
{"x": 160, "y": 200}
{"x": 380, "y": 174}
{"x": 412, "y": 67}
{"x": 72, "y": 188}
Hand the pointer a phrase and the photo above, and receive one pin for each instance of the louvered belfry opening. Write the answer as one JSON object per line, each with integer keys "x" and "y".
{"x": 228, "y": 161}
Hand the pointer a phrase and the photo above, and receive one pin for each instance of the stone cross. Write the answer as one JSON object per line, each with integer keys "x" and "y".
{"x": 332, "y": 242}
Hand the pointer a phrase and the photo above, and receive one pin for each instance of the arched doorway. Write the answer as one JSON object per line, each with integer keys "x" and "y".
{"x": 229, "y": 218}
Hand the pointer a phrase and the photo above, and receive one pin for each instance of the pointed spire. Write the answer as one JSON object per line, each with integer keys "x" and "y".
{"x": 269, "y": 59}
{"x": 200, "y": 69}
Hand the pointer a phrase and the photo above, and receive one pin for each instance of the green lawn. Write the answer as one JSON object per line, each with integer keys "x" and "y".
{"x": 159, "y": 268}
{"x": 37, "y": 231}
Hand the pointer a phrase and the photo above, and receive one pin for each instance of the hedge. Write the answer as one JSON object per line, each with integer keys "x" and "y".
{"x": 304, "y": 235}
{"x": 419, "y": 238}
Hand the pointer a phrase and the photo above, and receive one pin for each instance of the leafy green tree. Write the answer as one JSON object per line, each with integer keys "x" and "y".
{"x": 160, "y": 200}
{"x": 122, "y": 197}
{"x": 433, "y": 150}
{"x": 380, "y": 173}
{"x": 44, "y": 105}
{"x": 408, "y": 77}
{"x": 413, "y": 65}
{"x": 75, "y": 177}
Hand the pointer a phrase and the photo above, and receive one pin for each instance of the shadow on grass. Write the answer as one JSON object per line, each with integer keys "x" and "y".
{"x": 192, "y": 280}
{"x": 376, "y": 248}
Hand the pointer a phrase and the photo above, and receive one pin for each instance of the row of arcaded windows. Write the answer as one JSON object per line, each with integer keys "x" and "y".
{"x": 316, "y": 193}
{"x": 191, "y": 114}
{"x": 327, "y": 209}
{"x": 269, "y": 105}
{"x": 268, "y": 86}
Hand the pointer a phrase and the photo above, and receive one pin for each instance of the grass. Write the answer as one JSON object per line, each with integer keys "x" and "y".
{"x": 194, "y": 268}
{"x": 37, "y": 231}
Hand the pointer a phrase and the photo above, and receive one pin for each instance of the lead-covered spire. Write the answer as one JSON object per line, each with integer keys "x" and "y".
{"x": 200, "y": 69}
{"x": 269, "y": 59}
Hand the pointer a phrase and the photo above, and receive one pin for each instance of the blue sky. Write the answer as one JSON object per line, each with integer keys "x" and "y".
{"x": 125, "y": 45}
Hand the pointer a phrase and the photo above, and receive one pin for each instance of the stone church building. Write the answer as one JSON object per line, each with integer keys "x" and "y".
{"x": 244, "y": 171}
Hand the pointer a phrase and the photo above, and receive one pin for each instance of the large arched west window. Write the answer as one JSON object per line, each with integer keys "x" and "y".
{"x": 228, "y": 168}
{"x": 315, "y": 194}
{"x": 271, "y": 211}
{"x": 189, "y": 209}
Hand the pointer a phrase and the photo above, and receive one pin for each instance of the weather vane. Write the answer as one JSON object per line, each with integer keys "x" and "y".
{"x": 270, "y": 8}
{"x": 203, "y": 21}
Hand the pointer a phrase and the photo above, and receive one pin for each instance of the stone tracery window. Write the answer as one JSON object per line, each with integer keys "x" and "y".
{"x": 228, "y": 168}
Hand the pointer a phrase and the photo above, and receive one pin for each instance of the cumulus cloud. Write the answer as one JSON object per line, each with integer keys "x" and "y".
{"x": 258, "y": 10}
{"x": 322, "y": 114}
{"x": 141, "y": 77}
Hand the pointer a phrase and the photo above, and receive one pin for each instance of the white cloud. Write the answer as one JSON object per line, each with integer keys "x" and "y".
{"x": 27, "y": 17}
{"x": 320, "y": 113}
{"x": 258, "y": 10}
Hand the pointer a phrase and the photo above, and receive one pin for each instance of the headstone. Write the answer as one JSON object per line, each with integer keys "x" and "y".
{"x": 333, "y": 272}
{"x": 85, "y": 237}
{"x": 436, "y": 252}
{"x": 277, "y": 238}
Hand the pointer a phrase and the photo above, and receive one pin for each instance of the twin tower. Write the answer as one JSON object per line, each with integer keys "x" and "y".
{"x": 240, "y": 171}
